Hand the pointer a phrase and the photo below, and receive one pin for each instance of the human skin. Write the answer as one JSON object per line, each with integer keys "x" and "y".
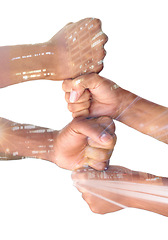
{"x": 118, "y": 188}
{"x": 94, "y": 96}
{"x": 76, "y": 49}
{"x": 82, "y": 142}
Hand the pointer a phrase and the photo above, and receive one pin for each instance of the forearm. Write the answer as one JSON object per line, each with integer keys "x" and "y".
{"x": 24, "y": 140}
{"x": 144, "y": 116}
{"x": 23, "y": 63}
{"x": 151, "y": 193}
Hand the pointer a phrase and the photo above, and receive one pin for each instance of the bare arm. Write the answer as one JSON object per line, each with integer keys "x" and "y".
{"x": 119, "y": 187}
{"x": 107, "y": 98}
{"x": 76, "y": 49}
{"x": 82, "y": 142}
{"x": 145, "y": 116}
{"x": 24, "y": 140}
{"x": 23, "y": 63}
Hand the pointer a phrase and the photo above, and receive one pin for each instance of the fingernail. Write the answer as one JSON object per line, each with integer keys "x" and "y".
{"x": 106, "y": 137}
{"x": 73, "y": 96}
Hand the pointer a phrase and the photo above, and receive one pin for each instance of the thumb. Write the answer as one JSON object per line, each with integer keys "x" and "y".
{"x": 77, "y": 86}
{"x": 75, "y": 95}
{"x": 92, "y": 129}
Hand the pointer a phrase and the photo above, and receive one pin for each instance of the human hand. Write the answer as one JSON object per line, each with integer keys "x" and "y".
{"x": 118, "y": 188}
{"x": 93, "y": 95}
{"x": 99, "y": 189}
{"x": 84, "y": 142}
{"x": 76, "y": 49}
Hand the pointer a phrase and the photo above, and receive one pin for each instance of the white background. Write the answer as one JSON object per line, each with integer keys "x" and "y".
{"x": 37, "y": 199}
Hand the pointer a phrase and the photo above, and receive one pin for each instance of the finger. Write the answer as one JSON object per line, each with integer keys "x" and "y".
{"x": 98, "y": 34}
{"x": 94, "y": 144}
{"x": 76, "y": 107}
{"x": 90, "y": 128}
{"x": 81, "y": 164}
{"x": 109, "y": 126}
{"x": 99, "y": 41}
{"x": 77, "y": 86}
{"x": 99, "y": 166}
{"x": 98, "y": 154}
{"x": 67, "y": 85}
{"x": 100, "y": 55}
{"x": 83, "y": 113}
{"x": 85, "y": 97}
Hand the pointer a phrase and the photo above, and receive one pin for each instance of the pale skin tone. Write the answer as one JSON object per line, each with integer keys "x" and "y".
{"x": 92, "y": 95}
{"x": 104, "y": 193}
{"x": 76, "y": 49}
{"x": 82, "y": 142}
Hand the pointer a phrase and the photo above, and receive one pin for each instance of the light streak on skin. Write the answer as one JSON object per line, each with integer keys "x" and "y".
{"x": 100, "y": 62}
{"x": 3, "y": 138}
{"x": 77, "y": 38}
{"x": 163, "y": 135}
{"x": 157, "y": 118}
{"x": 157, "y": 129}
{"x": 96, "y": 43}
{"x": 157, "y": 194}
{"x": 148, "y": 188}
{"x": 97, "y": 35}
{"x": 9, "y": 130}
{"x": 77, "y": 162}
{"x": 128, "y": 107}
{"x": 103, "y": 198}
{"x": 38, "y": 131}
{"x": 34, "y": 74}
{"x": 30, "y": 56}
{"x": 132, "y": 103}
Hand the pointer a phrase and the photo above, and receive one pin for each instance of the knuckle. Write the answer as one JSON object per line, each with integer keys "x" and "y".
{"x": 98, "y": 22}
{"x": 72, "y": 107}
{"x": 105, "y": 37}
{"x": 99, "y": 68}
{"x": 104, "y": 52}
{"x": 115, "y": 138}
{"x": 64, "y": 85}
{"x": 75, "y": 115}
{"x": 113, "y": 127}
{"x": 67, "y": 97}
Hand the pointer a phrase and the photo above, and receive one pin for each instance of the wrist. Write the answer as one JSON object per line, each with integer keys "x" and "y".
{"x": 28, "y": 62}
{"x": 125, "y": 101}
{"x": 41, "y": 145}
{"x": 23, "y": 140}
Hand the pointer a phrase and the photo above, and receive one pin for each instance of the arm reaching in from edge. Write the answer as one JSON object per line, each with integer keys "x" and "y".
{"x": 82, "y": 142}
{"x": 76, "y": 49}
{"x": 92, "y": 95}
{"x": 118, "y": 188}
